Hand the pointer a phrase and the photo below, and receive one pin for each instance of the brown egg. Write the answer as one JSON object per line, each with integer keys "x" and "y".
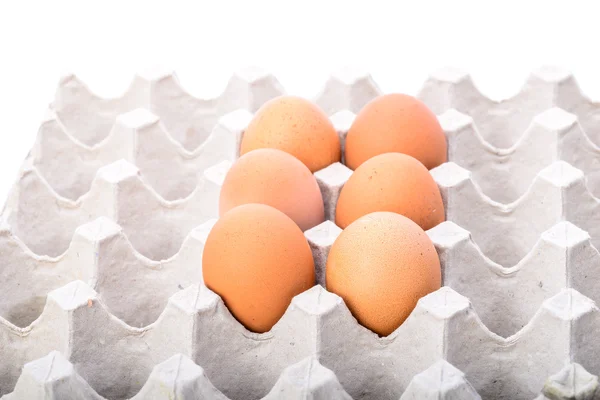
{"x": 257, "y": 259}
{"x": 296, "y": 126}
{"x": 381, "y": 265}
{"x": 275, "y": 178}
{"x": 391, "y": 182}
{"x": 396, "y": 123}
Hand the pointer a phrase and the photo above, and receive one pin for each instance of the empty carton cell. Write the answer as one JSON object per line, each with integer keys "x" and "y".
{"x": 505, "y": 174}
{"x": 47, "y": 333}
{"x": 176, "y": 378}
{"x": 179, "y": 377}
{"x": 45, "y": 222}
{"x": 506, "y": 232}
{"x": 507, "y": 297}
{"x": 188, "y": 119}
{"x": 116, "y": 359}
{"x": 501, "y": 123}
{"x": 347, "y": 89}
{"x": 506, "y": 368}
{"x": 133, "y": 287}
{"x": 139, "y": 137}
{"x": 110, "y": 355}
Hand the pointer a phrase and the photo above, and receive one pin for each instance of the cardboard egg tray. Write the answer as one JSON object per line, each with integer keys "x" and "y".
{"x": 102, "y": 235}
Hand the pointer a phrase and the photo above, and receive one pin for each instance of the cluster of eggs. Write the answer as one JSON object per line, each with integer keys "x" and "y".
{"x": 257, "y": 258}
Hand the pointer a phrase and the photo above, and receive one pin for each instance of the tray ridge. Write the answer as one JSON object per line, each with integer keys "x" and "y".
{"x": 155, "y": 226}
{"x": 317, "y": 323}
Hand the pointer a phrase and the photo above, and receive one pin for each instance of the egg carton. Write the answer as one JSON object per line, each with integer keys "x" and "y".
{"x": 504, "y": 134}
{"x": 560, "y": 184}
{"x": 116, "y": 359}
{"x": 151, "y": 250}
{"x": 144, "y": 137}
{"x": 121, "y": 183}
{"x": 162, "y": 239}
{"x": 179, "y": 377}
{"x": 565, "y": 247}
{"x": 106, "y": 245}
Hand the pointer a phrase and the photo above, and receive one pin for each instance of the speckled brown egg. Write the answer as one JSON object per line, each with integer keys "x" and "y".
{"x": 391, "y": 182}
{"x": 275, "y": 178}
{"x": 396, "y": 123}
{"x": 296, "y": 126}
{"x": 381, "y": 265}
{"x": 257, "y": 259}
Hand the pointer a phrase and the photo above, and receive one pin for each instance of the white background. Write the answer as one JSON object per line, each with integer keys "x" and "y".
{"x": 106, "y": 42}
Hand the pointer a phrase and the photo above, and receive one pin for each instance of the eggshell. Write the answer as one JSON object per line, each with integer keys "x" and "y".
{"x": 296, "y": 126}
{"x": 275, "y": 178}
{"x": 257, "y": 259}
{"x": 391, "y": 182}
{"x": 396, "y": 123}
{"x": 381, "y": 265}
